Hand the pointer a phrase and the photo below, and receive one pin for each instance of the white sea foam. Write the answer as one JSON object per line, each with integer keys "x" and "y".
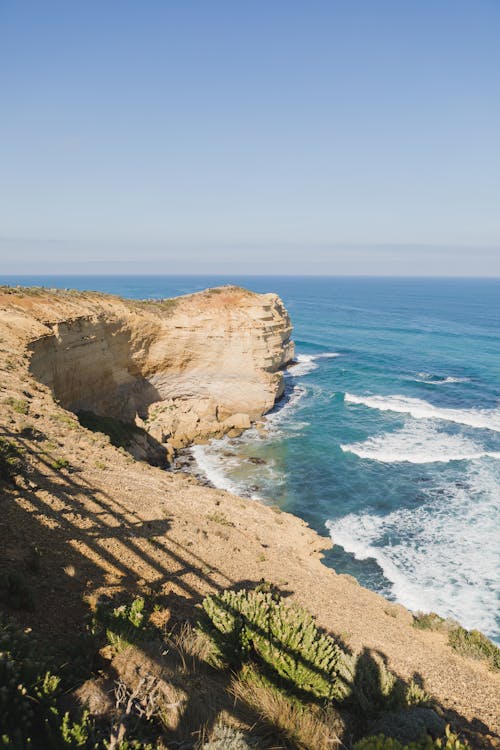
{"x": 306, "y": 363}
{"x": 425, "y": 377}
{"x": 212, "y": 459}
{"x": 418, "y": 443}
{"x": 228, "y": 465}
{"x": 285, "y": 409}
{"x": 440, "y": 557}
{"x": 486, "y": 419}
{"x": 210, "y": 465}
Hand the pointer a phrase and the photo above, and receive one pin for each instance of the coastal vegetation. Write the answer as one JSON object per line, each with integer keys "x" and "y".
{"x": 11, "y": 460}
{"x": 469, "y": 643}
{"x": 293, "y": 686}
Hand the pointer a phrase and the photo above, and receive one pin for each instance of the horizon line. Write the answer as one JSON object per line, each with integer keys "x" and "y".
{"x": 250, "y": 275}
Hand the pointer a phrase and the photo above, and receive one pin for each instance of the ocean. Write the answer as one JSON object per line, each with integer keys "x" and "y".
{"x": 388, "y": 438}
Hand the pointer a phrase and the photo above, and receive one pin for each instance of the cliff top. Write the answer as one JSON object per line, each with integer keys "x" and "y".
{"x": 52, "y": 303}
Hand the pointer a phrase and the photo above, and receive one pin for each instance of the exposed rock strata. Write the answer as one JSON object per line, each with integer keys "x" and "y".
{"x": 185, "y": 370}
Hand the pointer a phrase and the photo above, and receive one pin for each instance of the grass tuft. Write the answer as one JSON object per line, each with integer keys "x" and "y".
{"x": 11, "y": 462}
{"x": 474, "y": 644}
{"x": 18, "y": 405}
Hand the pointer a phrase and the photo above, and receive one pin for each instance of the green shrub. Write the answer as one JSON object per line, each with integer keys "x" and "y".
{"x": 428, "y": 621}
{"x": 227, "y": 738}
{"x": 476, "y": 645}
{"x": 59, "y": 463}
{"x": 65, "y": 419}
{"x": 285, "y": 639}
{"x": 409, "y": 725}
{"x": 124, "y": 624}
{"x": 11, "y": 462}
{"x": 380, "y": 742}
{"x": 221, "y": 518}
{"x": 18, "y": 405}
{"x": 374, "y": 688}
{"x": 29, "y": 714}
{"x": 416, "y": 696}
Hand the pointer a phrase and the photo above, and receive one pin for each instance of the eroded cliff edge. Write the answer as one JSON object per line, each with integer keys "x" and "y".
{"x": 184, "y": 369}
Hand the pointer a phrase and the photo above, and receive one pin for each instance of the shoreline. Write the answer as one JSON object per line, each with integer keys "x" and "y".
{"x": 401, "y": 591}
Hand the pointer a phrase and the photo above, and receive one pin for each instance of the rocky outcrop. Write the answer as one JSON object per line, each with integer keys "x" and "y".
{"x": 184, "y": 369}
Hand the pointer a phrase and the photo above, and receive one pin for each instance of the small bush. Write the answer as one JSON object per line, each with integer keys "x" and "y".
{"x": 374, "y": 688}
{"x": 285, "y": 639}
{"x": 428, "y": 621}
{"x": 59, "y": 463}
{"x": 11, "y": 463}
{"x": 416, "y": 696}
{"x": 30, "y": 718}
{"x": 18, "y": 405}
{"x": 220, "y": 518}
{"x": 474, "y": 644}
{"x": 227, "y": 738}
{"x": 65, "y": 419}
{"x": 380, "y": 742}
{"x": 124, "y": 624}
{"x": 409, "y": 725}
{"x": 298, "y": 724}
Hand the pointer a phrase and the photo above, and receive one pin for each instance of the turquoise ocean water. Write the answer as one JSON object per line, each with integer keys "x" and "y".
{"x": 389, "y": 436}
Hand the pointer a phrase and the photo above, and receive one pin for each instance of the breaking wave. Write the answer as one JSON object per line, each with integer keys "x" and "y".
{"x": 306, "y": 363}
{"x": 425, "y": 377}
{"x": 435, "y": 556}
{"x": 485, "y": 419}
{"x": 419, "y": 443}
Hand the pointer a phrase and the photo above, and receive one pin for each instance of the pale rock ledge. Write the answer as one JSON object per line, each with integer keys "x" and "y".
{"x": 185, "y": 369}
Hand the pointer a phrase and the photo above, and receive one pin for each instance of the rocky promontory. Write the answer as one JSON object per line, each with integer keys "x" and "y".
{"x": 183, "y": 369}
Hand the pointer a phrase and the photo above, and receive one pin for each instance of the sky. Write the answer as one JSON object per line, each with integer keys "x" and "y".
{"x": 272, "y": 136}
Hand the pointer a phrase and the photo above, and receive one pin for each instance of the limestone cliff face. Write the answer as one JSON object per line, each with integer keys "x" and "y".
{"x": 184, "y": 369}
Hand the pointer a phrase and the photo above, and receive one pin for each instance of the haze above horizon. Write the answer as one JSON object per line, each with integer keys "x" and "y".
{"x": 263, "y": 138}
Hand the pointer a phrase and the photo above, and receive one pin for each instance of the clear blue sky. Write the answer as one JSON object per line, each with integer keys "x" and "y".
{"x": 264, "y": 137}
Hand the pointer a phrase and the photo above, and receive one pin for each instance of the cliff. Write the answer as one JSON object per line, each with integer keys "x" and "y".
{"x": 184, "y": 369}
{"x": 101, "y": 522}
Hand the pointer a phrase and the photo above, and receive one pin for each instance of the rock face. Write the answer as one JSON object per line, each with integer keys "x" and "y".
{"x": 184, "y": 369}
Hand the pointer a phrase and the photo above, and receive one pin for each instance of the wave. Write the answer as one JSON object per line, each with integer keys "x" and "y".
{"x": 418, "y": 443}
{"x": 212, "y": 459}
{"x": 294, "y": 392}
{"x": 231, "y": 464}
{"x": 485, "y": 419}
{"x": 306, "y": 363}
{"x": 213, "y": 469}
{"x": 441, "y": 556}
{"x": 425, "y": 377}
{"x": 288, "y": 404}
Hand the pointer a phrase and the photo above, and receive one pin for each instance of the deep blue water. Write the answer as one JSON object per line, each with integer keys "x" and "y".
{"x": 392, "y": 445}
